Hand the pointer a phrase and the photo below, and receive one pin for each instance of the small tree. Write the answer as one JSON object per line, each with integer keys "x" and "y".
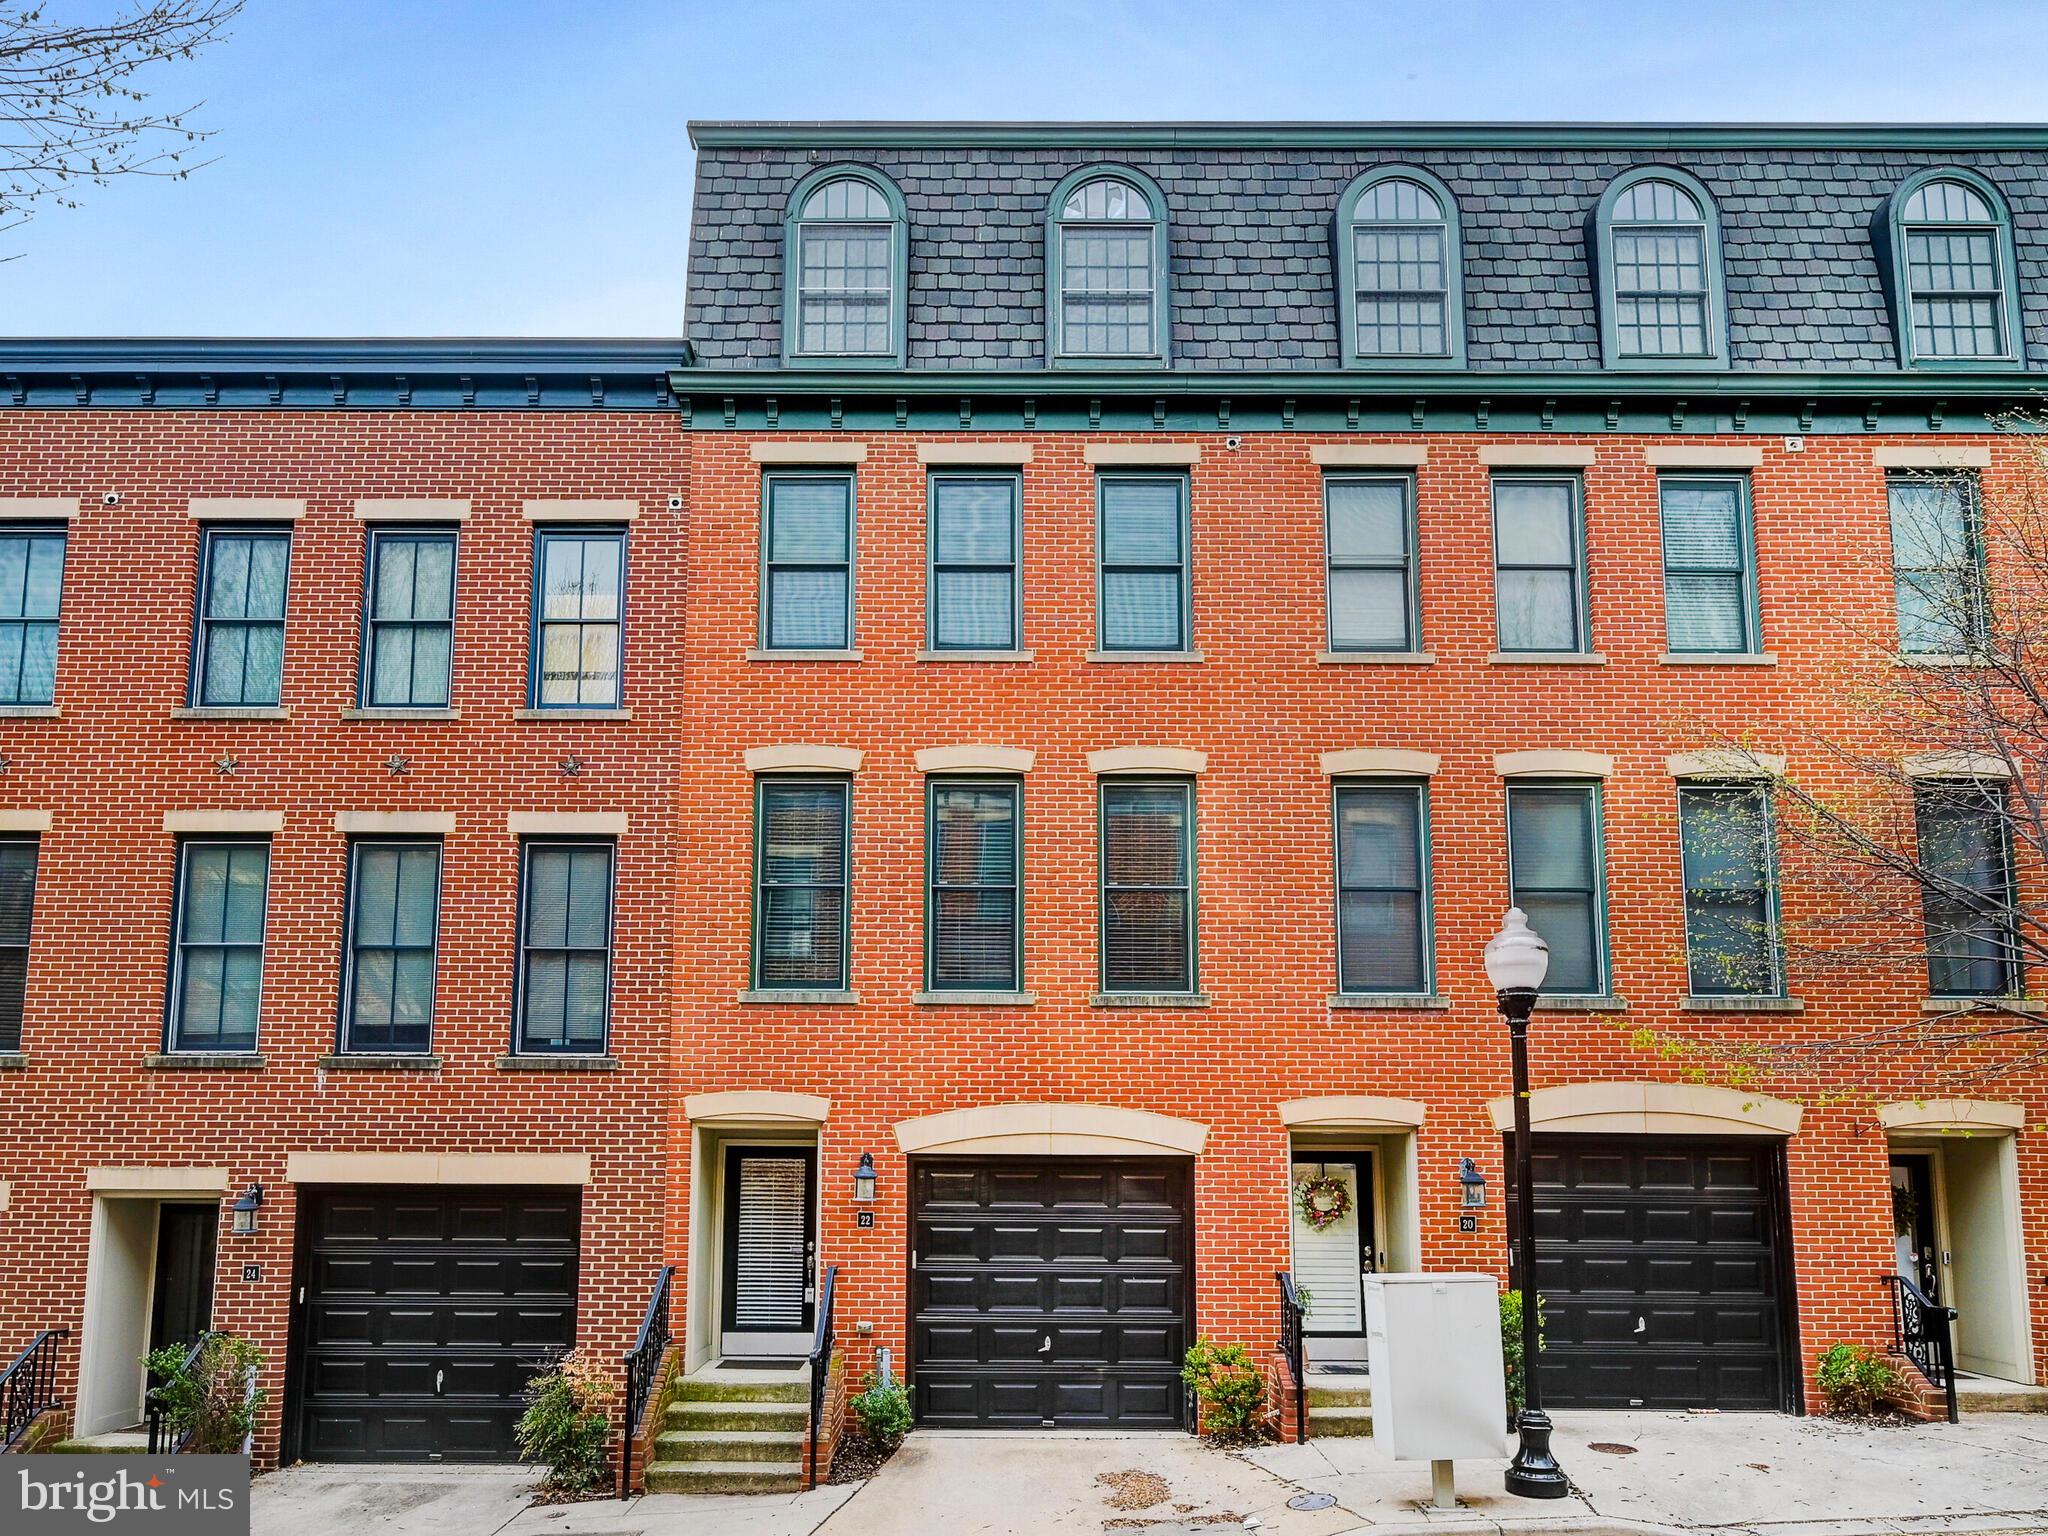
{"x": 1230, "y": 1388}
{"x": 565, "y": 1426}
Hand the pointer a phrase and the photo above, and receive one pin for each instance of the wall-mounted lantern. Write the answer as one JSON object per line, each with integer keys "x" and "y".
{"x": 864, "y": 1180}
{"x": 1471, "y": 1184}
{"x": 245, "y": 1211}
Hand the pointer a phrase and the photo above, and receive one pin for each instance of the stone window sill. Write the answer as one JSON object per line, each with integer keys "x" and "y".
{"x": 374, "y": 712}
{"x": 204, "y": 1061}
{"x": 374, "y": 1061}
{"x": 30, "y": 712}
{"x": 758, "y": 653}
{"x": 1717, "y": 659}
{"x": 975, "y": 655}
{"x": 1579, "y": 1002}
{"x": 1932, "y": 659}
{"x": 1375, "y": 658}
{"x": 231, "y": 712}
{"x": 1389, "y": 1000}
{"x": 1144, "y": 656}
{"x": 1150, "y": 1000}
{"x": 2028, "y": 1005}
{"x": 13, "y": 1061}
{"x": 564, "y": 1063}
{"x": 1717, "y": 1004}
{"x": 1547, "y": 659}
{"x": 974, "y": 999}
{"x": 577, "y": 716}
{"x": 827, "y": 997}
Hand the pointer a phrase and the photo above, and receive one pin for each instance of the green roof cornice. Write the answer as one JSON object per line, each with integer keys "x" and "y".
{"x": 1302, "y": 135}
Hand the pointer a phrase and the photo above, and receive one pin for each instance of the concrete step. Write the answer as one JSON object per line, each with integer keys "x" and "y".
{"x": 725, "y": 1477}
{"x": 717, "y": 1413}
{"x": 1338, "y": 1391}
{"x": 2000, "y": 1397}
{"x": 720, "y": 1386}
{"x": 103, "y": 1445}
{"x": 1338, "y": 1423}
{"x": 729, "y": 1445}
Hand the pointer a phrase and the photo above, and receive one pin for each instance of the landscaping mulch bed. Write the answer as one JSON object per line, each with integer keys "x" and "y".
{"x": 857, "y": 1457}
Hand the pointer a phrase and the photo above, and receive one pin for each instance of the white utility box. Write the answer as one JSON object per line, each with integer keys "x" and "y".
{"x": 1439, "y": 1390}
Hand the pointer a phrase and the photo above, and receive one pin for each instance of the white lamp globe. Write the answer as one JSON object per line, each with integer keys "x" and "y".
{"x": 1516, "y": 957}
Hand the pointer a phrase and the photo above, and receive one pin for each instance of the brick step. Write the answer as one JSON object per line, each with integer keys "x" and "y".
{"x": 687, "y": 1445}
{"x": 717, "y": 1387}
{"x": 715, "y": 1413}
{"x": 725, "y": 1477}
{"x": 1338, "y": 1423}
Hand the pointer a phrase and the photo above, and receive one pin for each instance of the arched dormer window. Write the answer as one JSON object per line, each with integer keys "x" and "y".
{"x": 1400, "y": 272}
{"x": 1105, "y": 263}
{"x": 845, "y": 256}
{"x": 1952, "y": 272}
{"x": 1658, "y": 236}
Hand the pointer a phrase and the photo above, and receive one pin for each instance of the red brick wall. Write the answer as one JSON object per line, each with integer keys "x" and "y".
{"x": 1262, "y": 709}
{"x": 115, "y": 762}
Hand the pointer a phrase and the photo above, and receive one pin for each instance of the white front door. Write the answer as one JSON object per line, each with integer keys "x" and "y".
{"x": 1330, "y": 1257}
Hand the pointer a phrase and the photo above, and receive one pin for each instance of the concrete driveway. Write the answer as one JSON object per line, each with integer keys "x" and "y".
{"x": 336, "y": 1500}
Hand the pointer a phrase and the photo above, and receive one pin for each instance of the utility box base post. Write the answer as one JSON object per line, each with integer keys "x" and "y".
{"x": 1439, "y": 1390}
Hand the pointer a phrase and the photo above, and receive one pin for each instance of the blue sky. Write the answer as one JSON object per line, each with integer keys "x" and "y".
{"x": 520, "y": 167}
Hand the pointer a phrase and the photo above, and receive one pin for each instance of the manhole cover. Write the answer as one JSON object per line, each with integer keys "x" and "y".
{"x": 1312, "y": 1501}
{"x": 1611, "y": 1448}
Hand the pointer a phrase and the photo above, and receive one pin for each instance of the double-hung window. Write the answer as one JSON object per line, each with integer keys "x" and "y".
{"x": 1142, "y": 540}
{"x": 1731, "y": 937}
{"x": 393, "y": 926}
{"x": 31, "y": 588}
{"x": 807, "y": 558}
{"x": 1106, "y": 250}
{"x": 1382, "y": 889}
{"x": 17, "y": 906}
{"x": 1148, "y": 889}
{"x": 579, "y": 618}
{"x": 1953, "y": 259}
{"x": 800, "y": 885}
{"x": 217, "y": 947}
{"x": 845, "y": 238}
{"x": 1370, "y": 525}
{"x": 1965, "y": 859}
{"x": 1709, "y": 565}
{"x": 408, "y": 618}
{"x": 974, "y": 555}
{"x": 1554, "y": 876}
{"x": 1938, "y": 564}
{"x": 565, "y": 947}
{"x": 238, "y": 661}
{"x": 974, "y": 939}
{"x": 1539, "y": 563}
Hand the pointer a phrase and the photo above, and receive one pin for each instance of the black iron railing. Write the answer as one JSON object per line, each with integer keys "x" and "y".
{"x": 28, "y": 1388}
{"x": 162, "y": 1441}
{"x": 1921, "y": 1332}
{"x": 821, "y": 1367}
{"x": 1290, "y": 1345}
{"x": 643, "y": 1367}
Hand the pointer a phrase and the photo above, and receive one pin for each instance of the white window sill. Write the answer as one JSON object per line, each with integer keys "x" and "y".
{"x": 758, "y": 653}
{"x": 1716, "y": 1003}
{"x": 1395, "y": 1000}
{"x": 1144, "y": 656}
{"x": 379, "y": 1061}
{"x": 566, "y": 1062}
{"x": 974, "y": 655}
{"x": 796, "y": 999}
{"x": 1150, "y": 1000}
{"x": 1375, "y": 658}
{"x": 578, "y": 715}
{"x": 376, "y": 712}
{"x": 232, "y": 712}
{"x": 1933, "y": 659}
{"x": 1717, "y": 659}
{"x": 1581, "y": 1002}
{"x": 2028, "y": 1005}
{"x": 30, "y": 712}
{"x": 13, "y": 1061}
{"x": 1547, "y": 659}
{"x": 198, "y": 1061}
{"x": 974, "y": 999}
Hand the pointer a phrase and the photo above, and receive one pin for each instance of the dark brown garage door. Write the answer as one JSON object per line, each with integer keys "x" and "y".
{"x": 1659, "y": 1264}
{"x": 1050, "y": 1293}
{"x": 424, "y": 1314}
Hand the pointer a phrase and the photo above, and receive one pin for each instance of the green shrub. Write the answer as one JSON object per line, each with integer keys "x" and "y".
{"x": 211, "y": 1397}
{"x": 1511, "y": 1347}
{"x": 565, "y": 1427}
{"x": 1854, "y": 1379}
{"x": 1230, "y": 1388}
{"x": 883, "y": 1408}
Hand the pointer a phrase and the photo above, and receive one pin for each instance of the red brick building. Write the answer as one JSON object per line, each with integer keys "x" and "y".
{"x": 1110, "y": 620}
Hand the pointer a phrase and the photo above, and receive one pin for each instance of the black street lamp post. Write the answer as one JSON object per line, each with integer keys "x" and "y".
{"x": 1516, "y": 961}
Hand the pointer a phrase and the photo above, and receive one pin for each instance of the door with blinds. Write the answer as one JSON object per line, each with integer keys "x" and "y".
{"x": 770, "y": 1244}
{"x": 1333, "y": 1251}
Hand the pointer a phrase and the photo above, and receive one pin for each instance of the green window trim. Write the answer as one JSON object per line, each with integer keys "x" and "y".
{"x": 794, "y": 222}
{"x": 937, "y": 886}
{"x": 939, "y": 565}
{"x": 1408, "y": 566}
{"x": 1897, "y": 270}
{"x": 1416, "y": 790}
{"x": 1594, "y": 793}
{"x": 1712, "y": 353}
{"x": 1743, "y": 573}
{"x": 355, "y": 1035}
{"x": 1581, "y": 606}
{"x": 1710, "y": 890}
{"x": 1182, "y": 566}
{"x": 844, "y": 565}
{"x": 1345, "y": 230}
{"x": 1980, "y": 907}
{"x": 767, "y": 786}
{"x": 1959, "y": 633}
{"x": 1187, "y": 887}
{"x": 1059, "y": 353}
